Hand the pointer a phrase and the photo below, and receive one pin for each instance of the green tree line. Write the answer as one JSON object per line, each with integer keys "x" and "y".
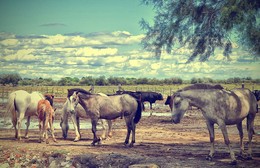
{"x": 16, "y": 79}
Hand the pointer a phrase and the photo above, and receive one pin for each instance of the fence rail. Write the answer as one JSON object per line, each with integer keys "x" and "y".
{"x": 61, "y": 91}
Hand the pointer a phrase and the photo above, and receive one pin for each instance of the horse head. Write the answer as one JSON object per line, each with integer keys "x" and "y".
{"x": 50, "y": 98}
{"x": 73, "y": 101}
{"x": 180, "y": 106}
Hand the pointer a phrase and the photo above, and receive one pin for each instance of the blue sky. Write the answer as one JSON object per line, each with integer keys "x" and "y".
{"x": 77, "y": 38}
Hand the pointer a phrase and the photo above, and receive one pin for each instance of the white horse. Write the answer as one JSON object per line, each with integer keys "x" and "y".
{"x": 80, "y": 113}
{"x": 21, "y": 104}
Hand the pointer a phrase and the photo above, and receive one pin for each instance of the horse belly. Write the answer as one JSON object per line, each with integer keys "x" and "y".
{"x": 237, "y": 111}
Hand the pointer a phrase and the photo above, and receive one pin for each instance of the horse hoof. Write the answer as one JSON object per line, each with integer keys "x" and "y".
{"x": 249, "y": 157}
{"x": 234, "y": 162}
{"x": 209, "y": 158}
{"x": 76, "y": 140}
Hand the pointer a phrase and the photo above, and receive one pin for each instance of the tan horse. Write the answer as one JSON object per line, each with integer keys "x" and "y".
{"x": 80, "y": 113}
{"x": 108, "y": 107}
{"x": 45, "y": 116}
{"x": 220, "y": 107}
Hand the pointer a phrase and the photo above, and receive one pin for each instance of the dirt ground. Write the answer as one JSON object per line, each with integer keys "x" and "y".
{"x": 159, "y": 143}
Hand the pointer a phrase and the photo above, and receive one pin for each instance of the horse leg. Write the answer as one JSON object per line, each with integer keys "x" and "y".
{"x": 52, "y": 129}
{"x": 151, "y": 107}
{"x": 223, "y": 128}
{"x": 250, "y": 131}
{"x": 210, "y": 126}
{"x": 94, "y": 129}
{"x": 129, "y": 128}
{"x": 241, "y": 135}
{"x": 27, "y": 127}
{"x": 77, "y": 119}
{"x": 14, "y": 121}
{"x": 40, "y": 131}
{"x": 104, "y": 129}
{"x": 109, "y": 123}
{"x": 133, "y": 133}
{"x": 75, "y": 124}
{"x": 45, "y": 126}
{"x": 19, "y": 123}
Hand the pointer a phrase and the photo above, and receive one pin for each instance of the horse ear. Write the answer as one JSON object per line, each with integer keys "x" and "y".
{"x": 177, "y": 94}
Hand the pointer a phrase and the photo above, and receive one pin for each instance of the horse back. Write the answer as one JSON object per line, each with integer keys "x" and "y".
{"x": 35, "y": 97}
{"x": 44, "y": 109}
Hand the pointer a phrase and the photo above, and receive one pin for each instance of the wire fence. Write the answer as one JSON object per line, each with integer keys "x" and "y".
{"x": 61, "y": 91}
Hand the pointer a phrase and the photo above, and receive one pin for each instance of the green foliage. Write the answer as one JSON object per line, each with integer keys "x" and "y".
{"x": 15, "y": 79}
{"x": 101, "y": 81}
{"x": 12, "y": 79}
{"x": 68, "y": 81}
{"x": 202, "y": 26}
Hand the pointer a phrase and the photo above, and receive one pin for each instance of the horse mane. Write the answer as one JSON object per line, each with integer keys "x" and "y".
{"x": 71, "y": 91}
{"x": 202, "y": 86}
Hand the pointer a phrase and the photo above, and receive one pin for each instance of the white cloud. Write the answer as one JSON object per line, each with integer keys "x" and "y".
{"x": 119, "y": 33}
{"x": 9, "y": 42}
{"x": 111, "y": 54}
{"x": 135, "y": 63}
{"x": 155, "y": 66}
{"x": 88, "y": 51}
{"x": 21, "y": 55}
{"x": 116, "y": 59}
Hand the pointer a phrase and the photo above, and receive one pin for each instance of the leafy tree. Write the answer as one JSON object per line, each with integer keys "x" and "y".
{"x": 116, "y": 80}
{"x": 10, "y": 79}
{"x": 88, "y": 80}
{"x": 68, "y": 81}
{"x": 142, "y": 81}
{"x": 203, "y": 25}
{"x": 101, "y": 81}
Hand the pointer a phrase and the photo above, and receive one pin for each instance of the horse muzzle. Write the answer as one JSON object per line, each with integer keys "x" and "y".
{"x": 176, "y": 120}
{"x": 64, "y": 136}
{"x": 72, "y": 111}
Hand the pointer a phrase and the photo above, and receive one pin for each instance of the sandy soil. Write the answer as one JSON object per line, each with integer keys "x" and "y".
{"x": 158, "y": 142}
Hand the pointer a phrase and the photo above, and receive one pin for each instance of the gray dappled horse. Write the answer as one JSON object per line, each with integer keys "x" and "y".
{"x": 108, "y": 107}
{"x": 221, "y": 107}
{"x": 21, "y": 104}
{"x": 79, "y": 113}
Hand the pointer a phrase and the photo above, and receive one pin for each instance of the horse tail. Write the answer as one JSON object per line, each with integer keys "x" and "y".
{"x": 138, "y": 113}
{"x": 11, "y": 107}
